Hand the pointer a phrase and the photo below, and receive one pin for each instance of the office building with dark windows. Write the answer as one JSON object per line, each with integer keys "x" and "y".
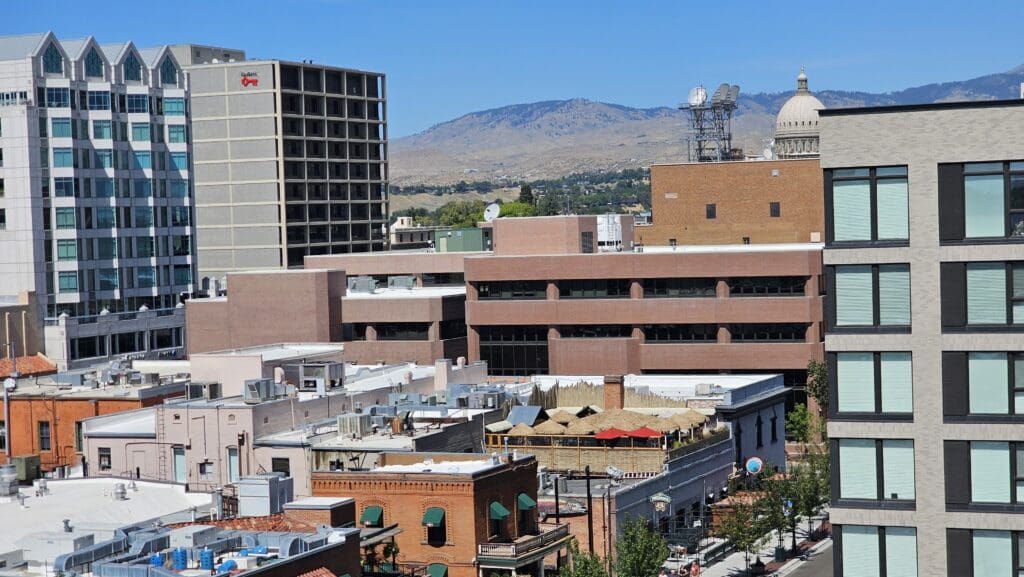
{"x": 924, "y": 272}
{"x": 95, "y": 197}
{"x": 291, "y": 160}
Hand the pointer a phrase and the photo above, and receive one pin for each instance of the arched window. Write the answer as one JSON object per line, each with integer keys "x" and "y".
{"x": 53, "y": 62}
{"x": 93, "y": 64}
{"x": 168, "y": 72}
{"x": 132, "y": 68}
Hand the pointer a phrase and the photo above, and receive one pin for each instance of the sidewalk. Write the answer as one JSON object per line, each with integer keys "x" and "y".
{"x": 733, "y": 564}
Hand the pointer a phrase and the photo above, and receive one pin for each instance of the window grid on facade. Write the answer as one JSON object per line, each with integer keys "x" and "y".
{"x": 868, "y": 204}
{"x": 93, "y": 64}
{"x": 132, "y": 68}
{"x": 53, "y": 61}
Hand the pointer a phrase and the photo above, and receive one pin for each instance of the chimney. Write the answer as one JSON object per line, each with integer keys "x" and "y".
{"x": 442, "y": 372}
{"x": 614, "y": 392}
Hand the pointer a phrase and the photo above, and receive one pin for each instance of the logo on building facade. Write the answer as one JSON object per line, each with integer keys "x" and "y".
{"x": 250, "y": 79}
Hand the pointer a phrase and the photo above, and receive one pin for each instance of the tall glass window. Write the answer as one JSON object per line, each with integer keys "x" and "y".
{"x": 858, "y": 303}
{"x": 854, "y": 301}
{"x": 101, "y": 129}
{"x": 132, "y": 68}
{"x": 990, "y": 472}
{"x": 174, "y": 106}
{"x": 141, "y": 132}
{"x": 177, "y": 188}
{"x": 869, "y": 204}
{"x": 105, "y": 158}
{"x": 143, "y": 216}
{"x": 106, "y": 217}
{"x": 53, "y": 61}
{"x": 63, "y": 158}
{"x": 145, "y": 276}
{"x": 143, "y": 188}
{"x": 894, "y": 294}
{"x": 107, "y": 279}
{"x": 67, "y": 282}
{"x": 176, "y": 133}
{"x": 168, "y": 72}
{"x": 64, "y": 187}
{"x": 138, "y": 103}
{"x": 986, "y": 293}
{"x": 179, "y": 161}
{"x": 60, "y": 127}
{"x": 65, "y": 218}
{"x": 67, "y": 249}
{"x": 984, "y": 211}
{"x": 993, "y": 553}
{"x": 988, "y": 383}
{"x": 142, "y": 160}
{"x": 861, "y": 551}
{"x": 858, "y": 473}
{"x": 58, "y": 98}
{"x": 182, "y": 274}
{"x": 93, "y": 64}
{"x": 98, "y": 100}
{"x": 104, "y": 187}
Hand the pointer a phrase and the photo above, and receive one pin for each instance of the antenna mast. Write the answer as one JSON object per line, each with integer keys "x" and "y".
{"x": 710, "y": 130}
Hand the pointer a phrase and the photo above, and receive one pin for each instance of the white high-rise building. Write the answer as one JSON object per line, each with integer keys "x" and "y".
{"x": 96, "y": 228}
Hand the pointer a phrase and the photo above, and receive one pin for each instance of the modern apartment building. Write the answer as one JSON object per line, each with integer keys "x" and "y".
{"x": 95, "y": 194}
{"x": 291, "y": 161}
{"x": 925, "y": 272}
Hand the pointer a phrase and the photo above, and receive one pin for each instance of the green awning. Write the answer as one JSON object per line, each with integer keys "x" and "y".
{"x": 525, "y": 502}
{"x": 434, "y": 517}
{"x": 498, "y": 511}
{"x": 437, "y": 570}
{"x": 371, "y": 516}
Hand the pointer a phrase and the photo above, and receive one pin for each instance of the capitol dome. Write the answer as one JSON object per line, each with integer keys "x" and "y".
{"x": 796, "y": 126}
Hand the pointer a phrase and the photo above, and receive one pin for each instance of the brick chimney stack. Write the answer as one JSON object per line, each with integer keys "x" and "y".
{"x": 614, "y": 392}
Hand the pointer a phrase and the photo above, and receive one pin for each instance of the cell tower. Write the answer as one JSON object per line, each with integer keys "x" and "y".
{"x": 710, "y": 135}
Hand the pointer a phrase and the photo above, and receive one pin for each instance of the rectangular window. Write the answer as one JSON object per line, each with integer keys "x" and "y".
{"x": 104, "y": 159}
{"x": 868, "y": 204}
{"x": 101, "y": 129}
{"x": 3, "y": 219}
{"x": 281, "y": 465}
{"x": 876, "y": 470}
{"x": 865, "y": 546}
{"x": 3, "y": 436}
{"x": 710, "y": 211}
{"x": 768, "y": 332}
{"x": 58, "y": 98}
{"x": 179, "y": 216}
{"x": 64, "y": 187}
{"x": 593, "y": 289}
{"x": 104, "y": 187}
{"x": 767, "y": 286}
{"x": 106, "y": 217}
{"x": 993, "y": 554}
{"x": 68, "y": 282}
{"x": 63, "y": 158}
{"x": 514, "y": 350}
{"x": 877, "y": 383}
{"x": 596, "y": 331}
{"x": 143, "y": 216}
{"x": 177, "y": 188}
{"x": 65, "y": 218}
{"x": 143, "y": 188}
{"x": 67, "y": 249}
{"x": 144, "y": 247}
{"x": 145, "y": 276}
{"x": 183, "y": 275}
{"x": 774, "y": 209}
{"x": 990, "y": 472}
{"x": 512, "y": 290}
{"x": 138, "y": 103}
{"x": 858, "y": 303}
{"x": 679, "y": 287}
{"x": 142, "y": 160}
{"x": 60, "y": 127}
{"x": 681, "y": 333}
{"x": 401, "y": 331}
{"x": 106, "y": 248}
{"x": 98, "y": 100}
{"x": 174, "y": 106}
{"x": 104, "y": 458}
{"x": 176, "y": 133}
{"x": 107, "y": 279}
{"x": 179, "y": 161}
{"x": 44, "y": 435}
{"x": 141, "y": 132}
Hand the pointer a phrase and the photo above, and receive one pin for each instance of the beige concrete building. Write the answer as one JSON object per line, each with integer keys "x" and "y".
{"x": 924, "y": 341}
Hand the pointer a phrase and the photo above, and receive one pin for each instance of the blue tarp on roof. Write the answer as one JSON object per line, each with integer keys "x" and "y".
{"x": 527, "y": 415}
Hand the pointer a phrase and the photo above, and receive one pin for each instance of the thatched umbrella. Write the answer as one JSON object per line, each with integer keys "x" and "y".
{"x": 549, "y": 427}
{"x": 562, "y": 417}
{"x": 520, "y": 430}
{"x": 580, "y": 428}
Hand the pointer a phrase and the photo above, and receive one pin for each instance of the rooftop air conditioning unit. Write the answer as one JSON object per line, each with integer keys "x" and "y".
{"x": 362, "y": 284}
{"x": 355, "y": 425}
{"x": 256, "y": 391}
{"x": 703, "y": 389}
{"x": 207, "y": 391}
{"x": 401, "y": 282}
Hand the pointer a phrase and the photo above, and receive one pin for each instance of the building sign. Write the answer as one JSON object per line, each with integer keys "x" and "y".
{"x": 250, "y": 79}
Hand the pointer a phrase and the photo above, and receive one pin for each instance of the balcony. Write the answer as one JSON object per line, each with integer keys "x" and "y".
{"x": 524, "y": 549}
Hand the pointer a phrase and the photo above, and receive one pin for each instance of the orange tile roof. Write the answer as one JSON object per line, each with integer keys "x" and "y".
{"x": 272, "y": 523}
{"x": 34, "y": 365}
{"x": 321, "y": 572}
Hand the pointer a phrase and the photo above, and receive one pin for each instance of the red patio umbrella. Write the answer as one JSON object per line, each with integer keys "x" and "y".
{"x": 644, "y": 433}
{"x": 611, "y": 434}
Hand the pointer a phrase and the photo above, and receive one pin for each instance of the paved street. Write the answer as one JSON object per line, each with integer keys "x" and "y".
{"x": 818, "y": 566}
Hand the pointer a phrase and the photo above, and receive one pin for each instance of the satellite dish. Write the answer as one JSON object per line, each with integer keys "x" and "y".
{"x": 492, "y": 211}
{"x": 698, "y": 96}
{"x": 754, "y": 465}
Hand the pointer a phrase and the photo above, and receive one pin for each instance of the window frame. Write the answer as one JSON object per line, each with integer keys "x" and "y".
{"x": 103, "y": 464}
{"x": 710, "y": 211}
{"x": 873, "y": 179}
{"x": 953, "y": 202}
{"x": 832, "y": 305}
{"x": 881, "y": 501}
{"x": 45, "y": 440}
{"x": 834, "y": 412}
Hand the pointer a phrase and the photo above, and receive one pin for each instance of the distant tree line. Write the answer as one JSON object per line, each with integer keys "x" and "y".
{"x": 587, "y": 193}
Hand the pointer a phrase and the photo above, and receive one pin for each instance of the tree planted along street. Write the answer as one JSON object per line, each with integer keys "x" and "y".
{"x": 639, "y": 551}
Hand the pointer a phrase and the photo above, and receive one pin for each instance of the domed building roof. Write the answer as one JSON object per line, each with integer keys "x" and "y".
{"x": 796, "y": 126}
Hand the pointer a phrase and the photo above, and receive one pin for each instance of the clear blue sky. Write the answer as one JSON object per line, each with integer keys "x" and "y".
{"x": 447, "y": 58}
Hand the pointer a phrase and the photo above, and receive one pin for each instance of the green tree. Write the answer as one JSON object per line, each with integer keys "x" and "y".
{"x": 639, "y": 552}
{"x": 743, "y": 528}
{"x": 516, "y": 209}
{"x": 549, "y": 204}
{"x": 583, "y": 564}
{"x": 809, "y": 483}
{"x": 461, "y": 213}
{"x": 462, "y": 186}
{"x": 772, "y": 505}
{"x": 526, "y": 194}
{"x": 798, "y": 424}
{"x": 817, "y": 384}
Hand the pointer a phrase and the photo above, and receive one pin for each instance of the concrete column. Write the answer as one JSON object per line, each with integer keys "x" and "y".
{"x": 636, "y": 290}
{"x": 434, "y": 332}
{"x": 552, "y": 291}
{"x": 472, "y": 344}
{"x": 722, "y": 289}
{"x": 724, "y": 337}
{"x": 371, "y": 333}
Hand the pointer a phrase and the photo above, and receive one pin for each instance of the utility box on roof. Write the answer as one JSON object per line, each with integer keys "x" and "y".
{"x": 262, "y": 495}
{"x": 27, "y": 467}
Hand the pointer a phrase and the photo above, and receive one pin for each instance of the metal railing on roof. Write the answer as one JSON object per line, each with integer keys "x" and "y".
{"x": 550, "y": 533}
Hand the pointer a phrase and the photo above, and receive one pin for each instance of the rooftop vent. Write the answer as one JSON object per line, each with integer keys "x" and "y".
{"x": 361, "y": 284}
{"x": 401, "y": 282}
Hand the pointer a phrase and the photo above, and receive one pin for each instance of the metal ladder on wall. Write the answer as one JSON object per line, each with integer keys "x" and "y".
{"x": 160, "y": 447}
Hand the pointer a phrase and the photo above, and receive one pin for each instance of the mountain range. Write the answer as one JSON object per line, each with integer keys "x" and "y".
{"x": 556, "y": 138}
